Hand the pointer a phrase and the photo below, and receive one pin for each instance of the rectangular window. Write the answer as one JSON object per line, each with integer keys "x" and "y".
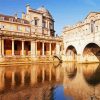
{"x": 27, "y": 29}
{"x": 19, "y": 28}
{"x": 50, "y": 26}
{"x": 11, "y": 19}
{"x": 1, "y": 26}
{"x": 11, "y": 28}
{"x": 44, "y": 24}
{"x": 36, "y": 22}
{"x": 22, "y": 21}
{"x": 2, "y": 18}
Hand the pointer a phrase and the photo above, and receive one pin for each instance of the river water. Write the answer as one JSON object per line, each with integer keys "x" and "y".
{"x": 50, "y": 81}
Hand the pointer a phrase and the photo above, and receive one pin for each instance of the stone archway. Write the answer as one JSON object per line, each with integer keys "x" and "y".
{"x": 71, "y": 53}
{"x": 91, "y": 53}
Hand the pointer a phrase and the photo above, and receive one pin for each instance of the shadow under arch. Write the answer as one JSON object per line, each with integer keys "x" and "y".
{"x": 92, "y": 50}
{"x": 71, "y": 53}
{"x": 92, "y": 75}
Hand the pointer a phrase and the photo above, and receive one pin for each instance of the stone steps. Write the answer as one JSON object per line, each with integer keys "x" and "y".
{"x": 11, "y": 60}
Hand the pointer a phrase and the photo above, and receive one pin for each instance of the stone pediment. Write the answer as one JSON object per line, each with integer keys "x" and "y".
{"x": 92, "y": 15}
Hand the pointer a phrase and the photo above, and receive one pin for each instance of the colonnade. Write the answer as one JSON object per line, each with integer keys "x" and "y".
{"x": 33, "y": 48}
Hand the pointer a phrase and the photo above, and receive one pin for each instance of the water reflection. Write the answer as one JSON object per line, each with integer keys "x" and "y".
{"x": 19, "y": 76}
{"x": 71, "y": 70}
{"x": 82, "y": 86}
{"x": 48, "y": 81}
{"x": 92, "y": 74}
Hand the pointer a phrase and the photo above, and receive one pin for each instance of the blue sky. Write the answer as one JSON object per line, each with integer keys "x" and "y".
{"x": 65, "y": 12}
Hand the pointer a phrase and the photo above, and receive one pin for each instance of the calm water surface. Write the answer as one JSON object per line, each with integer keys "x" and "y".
{"x": 48, "y": 81}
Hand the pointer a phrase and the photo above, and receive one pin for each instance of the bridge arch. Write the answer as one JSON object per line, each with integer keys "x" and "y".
{"x": 91, "y": 52}
{"x": 71, "y": 53}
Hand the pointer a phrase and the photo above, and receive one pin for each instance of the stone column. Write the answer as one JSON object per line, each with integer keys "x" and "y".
{"x": 32, "y": 75}
{"x": 1, "y": 79}
{"x": 22, "y": 48}
{"x": 2, "y": 47}
{"x": 13, "y": 78}
{"x": 42, "y": 48}
{"x": 22, "y": 79}
{"x": 50, "y": 69}
{"x": 57, "y": 49}
{"x": 12, "y": 47}
{"x": 36, "y": 48}
{"x": 50, "y": 49}
{"x": 57, "y": 74}
{"x": 43, "y": 75}
{"x": 33, "y": 48}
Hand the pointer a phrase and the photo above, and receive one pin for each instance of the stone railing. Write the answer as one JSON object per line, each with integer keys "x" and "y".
{"x": 32, "y": 35}
{"x": 7, "y": 32}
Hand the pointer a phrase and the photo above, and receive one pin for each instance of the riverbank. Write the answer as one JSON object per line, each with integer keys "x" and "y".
{"x": 27, "y": 60}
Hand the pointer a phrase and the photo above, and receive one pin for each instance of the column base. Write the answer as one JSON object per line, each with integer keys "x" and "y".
{"x": 33, "y": 56}
{"x": 43, "y": 56}
{"x": 1, "y": 56}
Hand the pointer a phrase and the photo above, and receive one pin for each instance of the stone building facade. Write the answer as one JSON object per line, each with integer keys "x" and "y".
{"x": 33, "y": 35}
{"x": 82, "y": 40}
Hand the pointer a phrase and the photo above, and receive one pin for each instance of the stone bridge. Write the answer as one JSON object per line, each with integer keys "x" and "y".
{"x": 82, "y": 40}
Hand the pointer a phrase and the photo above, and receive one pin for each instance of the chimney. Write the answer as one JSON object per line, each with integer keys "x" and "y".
{"x": 27, "y": 8}
{"x": 16, "y": 16}
{"x": 23, "y": 15}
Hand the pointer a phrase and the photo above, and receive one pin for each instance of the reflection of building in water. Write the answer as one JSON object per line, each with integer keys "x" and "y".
{"x": 71, "y": 70}
{"x": 34, "y": 81}
{"x": 78, "y": 87}
{"x": 28, "y": 75}
{"x": 91, "y": 74}
{"x": 1, "y": 78}
{"x": 32, "y": 77}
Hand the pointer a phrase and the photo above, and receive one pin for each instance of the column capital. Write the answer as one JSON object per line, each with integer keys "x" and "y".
{"x": 23, "y": 40}
{"x": 13, "y": 39}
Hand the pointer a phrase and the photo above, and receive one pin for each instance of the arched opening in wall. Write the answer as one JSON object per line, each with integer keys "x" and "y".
{"x": 91, "y": 53}
{"x": 71, "y": 53}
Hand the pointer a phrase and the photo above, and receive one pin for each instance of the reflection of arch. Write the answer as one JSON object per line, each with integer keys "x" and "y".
{"x": 92, "y": 50}
{"x": 92, "y": 73}
{"x": 71, "y": 53}
{"x": 71, "y": 70}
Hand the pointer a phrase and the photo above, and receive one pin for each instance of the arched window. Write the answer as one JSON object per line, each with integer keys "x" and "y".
{"x": 36, "y": 21}
{"x": 92, "y": 26}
